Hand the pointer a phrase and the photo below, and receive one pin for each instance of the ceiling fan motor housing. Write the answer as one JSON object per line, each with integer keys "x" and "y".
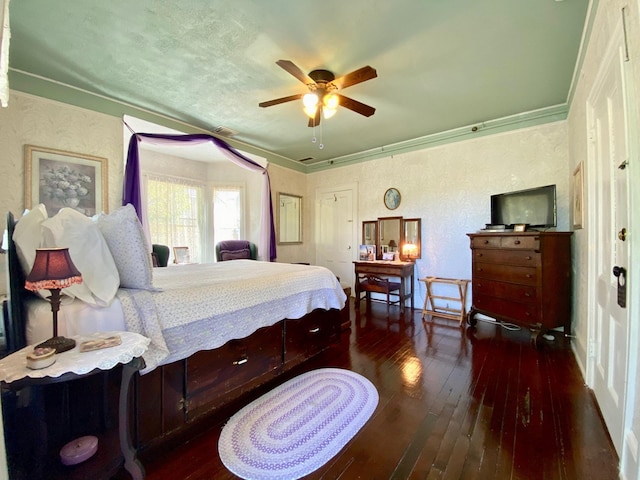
{"x": 322, "y": 76}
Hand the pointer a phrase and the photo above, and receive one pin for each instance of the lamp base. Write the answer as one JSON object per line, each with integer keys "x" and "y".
{"x": 60, "y": 344}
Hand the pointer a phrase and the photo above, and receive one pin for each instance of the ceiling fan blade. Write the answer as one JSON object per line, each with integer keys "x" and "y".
{"x": 294, "y": 70}
{"x": 357, "y": 76}
{"x": 314, "y": 122}
{"x": 278, "y": 101}
{"x": 356, "y": 106}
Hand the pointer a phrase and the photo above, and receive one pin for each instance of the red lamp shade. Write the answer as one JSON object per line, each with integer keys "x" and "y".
{"x": 52, "y": 269}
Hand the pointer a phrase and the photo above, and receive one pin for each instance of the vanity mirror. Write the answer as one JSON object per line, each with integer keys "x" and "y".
{"x": 289, "y": 218}
{"x": 369, "y": 232}
{"x": 390, "y": 235}
{"x": 412, "y": 236}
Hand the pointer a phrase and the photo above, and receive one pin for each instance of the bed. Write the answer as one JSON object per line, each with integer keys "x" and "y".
{"x": 217, "y": 330}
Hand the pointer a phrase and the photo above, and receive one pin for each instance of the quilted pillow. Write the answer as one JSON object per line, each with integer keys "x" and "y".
{"x": 28, "y": 236}
{"x": 89, "y": 252}
{"x": 235, "y": 254}
{"x": 128, "y": 244}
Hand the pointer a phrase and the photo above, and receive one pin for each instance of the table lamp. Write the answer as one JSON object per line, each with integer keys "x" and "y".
{"x": 53, "y": 270}
{"x": 410, "y": 251}
{"x": 392, "y": 245}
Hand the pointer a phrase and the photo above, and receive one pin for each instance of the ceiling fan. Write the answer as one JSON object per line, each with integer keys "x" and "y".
{"x": 322, "y": 97}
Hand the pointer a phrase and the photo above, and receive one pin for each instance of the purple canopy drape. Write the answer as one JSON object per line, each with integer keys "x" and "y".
{"x": 132, "y": 189}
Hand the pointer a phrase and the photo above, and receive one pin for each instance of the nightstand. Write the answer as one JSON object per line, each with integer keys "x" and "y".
{"x": 74, "y": 365}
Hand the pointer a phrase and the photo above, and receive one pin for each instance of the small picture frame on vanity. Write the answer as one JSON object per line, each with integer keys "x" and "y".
{"x": 520, "y": 227}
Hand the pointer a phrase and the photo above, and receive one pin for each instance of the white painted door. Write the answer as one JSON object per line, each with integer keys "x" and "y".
{"x": 608, "y": 154}
{"x": 334, "y": 233}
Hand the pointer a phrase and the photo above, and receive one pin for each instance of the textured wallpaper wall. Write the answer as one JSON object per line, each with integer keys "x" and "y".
{"x": 30, "y": 120}
{"x": 449, "y": 188}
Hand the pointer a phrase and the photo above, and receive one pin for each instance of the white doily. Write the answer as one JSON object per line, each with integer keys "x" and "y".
{"x": 14, "y": 367}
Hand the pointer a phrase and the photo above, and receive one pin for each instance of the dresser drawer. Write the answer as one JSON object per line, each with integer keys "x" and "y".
{"x": 489, "y": 241}
{"x": 524, "y": 242}
{"x": 232, "y": 366}
{"x": 307, "y": 336}
{"x": 507, "y": 257}
{"x": 523, "y": 312}
{"x": 508, "y": 291}
{"x": 505, "y": 273}
{"x": 520, "y": 242}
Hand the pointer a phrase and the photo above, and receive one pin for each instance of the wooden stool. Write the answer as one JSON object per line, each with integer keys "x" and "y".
{"x": 453, "y": 313}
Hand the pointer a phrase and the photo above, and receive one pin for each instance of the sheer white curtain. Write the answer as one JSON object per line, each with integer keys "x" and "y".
{"x": 176, "y": 213}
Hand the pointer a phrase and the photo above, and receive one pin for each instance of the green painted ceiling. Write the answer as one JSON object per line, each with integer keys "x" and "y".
{"x": 442, "y": 65}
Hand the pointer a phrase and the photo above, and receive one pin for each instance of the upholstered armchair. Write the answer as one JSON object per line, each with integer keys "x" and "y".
{"x": 235, "y": 250}
{"x": 160, "y": 254}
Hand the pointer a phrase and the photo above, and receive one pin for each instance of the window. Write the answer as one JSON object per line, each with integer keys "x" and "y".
{"x": 228, "y": 221}
{"x": 175, "y": 213}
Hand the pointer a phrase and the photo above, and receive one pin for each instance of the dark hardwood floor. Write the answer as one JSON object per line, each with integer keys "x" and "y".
{"x": 455, "y": 403}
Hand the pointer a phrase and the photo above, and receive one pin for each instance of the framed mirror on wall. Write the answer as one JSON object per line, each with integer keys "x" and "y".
{"x": 411, "y": 248}
{"x": 369, "y": 232}
{"x": 390, "y": 234}
{"x": 289, "y": 219}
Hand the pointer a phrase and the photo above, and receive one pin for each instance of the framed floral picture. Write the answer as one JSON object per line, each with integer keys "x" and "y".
{"x": 64, "y": 179}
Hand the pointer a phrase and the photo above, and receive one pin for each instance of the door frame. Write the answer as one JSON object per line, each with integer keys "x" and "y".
{"x": 630, "y": 455}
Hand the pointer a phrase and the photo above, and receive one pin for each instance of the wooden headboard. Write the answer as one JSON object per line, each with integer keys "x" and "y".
{"x": 15, "y": 320}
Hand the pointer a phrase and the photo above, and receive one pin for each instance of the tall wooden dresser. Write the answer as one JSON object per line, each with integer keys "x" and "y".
{"x": 523, "y": 278}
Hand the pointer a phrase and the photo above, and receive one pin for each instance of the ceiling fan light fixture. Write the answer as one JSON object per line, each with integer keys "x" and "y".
{"x": 310, "y": 111}
{"x": 330, "y": 104}
{"x": 331, "y": 101}
{"x": 310, "y": 102}
{"x": 328, "y": 112}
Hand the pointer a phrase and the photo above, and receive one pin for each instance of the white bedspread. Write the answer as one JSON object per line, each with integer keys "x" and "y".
{"x": 203, "y": 306}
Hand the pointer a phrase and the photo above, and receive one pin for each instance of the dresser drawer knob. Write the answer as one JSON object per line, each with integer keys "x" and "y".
{"x": 528, "y": 257}
{"x": 486, "y": 242}
{"x": 528, "y": 275}
{"x": 480, "y": 254}
{"x": 314, "y": 330}
{"x": 516, "y": 242}
{"x": 527, "y": 294}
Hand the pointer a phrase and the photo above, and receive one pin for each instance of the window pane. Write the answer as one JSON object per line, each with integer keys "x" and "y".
{"x": 174, "y": 213}
{"x": 227, "y": 213}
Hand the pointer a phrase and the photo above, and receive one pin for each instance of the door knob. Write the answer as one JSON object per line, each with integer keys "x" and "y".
{"x": 622, "y": 234}
{"x": 617, "y": 271}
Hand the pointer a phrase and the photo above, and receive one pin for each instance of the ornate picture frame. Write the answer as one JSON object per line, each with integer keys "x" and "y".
{"x": 181, "y": 255}
{"x": 58, "y": 179}
{"x": 392, "y": 198}
{"x": 578, "y": 197}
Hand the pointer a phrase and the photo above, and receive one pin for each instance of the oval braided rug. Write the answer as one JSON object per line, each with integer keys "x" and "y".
{"x": 297, "y": 427}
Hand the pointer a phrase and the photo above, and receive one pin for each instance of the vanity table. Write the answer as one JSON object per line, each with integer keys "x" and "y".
{"x": 380, "y": 268}
{"x": 74, "y": 365}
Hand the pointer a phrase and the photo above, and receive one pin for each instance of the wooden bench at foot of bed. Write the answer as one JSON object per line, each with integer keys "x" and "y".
{"x": 168, "y": 400}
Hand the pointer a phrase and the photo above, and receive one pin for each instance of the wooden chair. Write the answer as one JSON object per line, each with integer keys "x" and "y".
{"x": 371, "y": 283}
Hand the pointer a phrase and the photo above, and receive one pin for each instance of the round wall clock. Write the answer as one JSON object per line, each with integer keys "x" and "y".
{"x": 392, "y": 198}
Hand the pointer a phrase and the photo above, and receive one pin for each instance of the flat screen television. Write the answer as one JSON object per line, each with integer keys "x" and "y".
{"x": 534, "y": 207}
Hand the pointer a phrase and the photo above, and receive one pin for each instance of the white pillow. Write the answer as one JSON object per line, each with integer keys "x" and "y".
{"x": 89, "y": 252}
{"x": 28, "y": 236}
{"x": 128, "y": 244}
